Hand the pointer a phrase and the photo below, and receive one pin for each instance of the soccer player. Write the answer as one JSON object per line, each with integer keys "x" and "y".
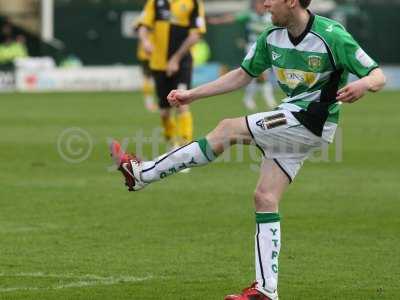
{"x": 256, "y": 20}
{"x": 312, "y": 57}
{"x": 176, "y": 26}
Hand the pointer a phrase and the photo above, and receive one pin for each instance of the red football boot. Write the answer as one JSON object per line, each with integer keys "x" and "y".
{"x": 129, "y": 165}
{"x": 251, "y": 293}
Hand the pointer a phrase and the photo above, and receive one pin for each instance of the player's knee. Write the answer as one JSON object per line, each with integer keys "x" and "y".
{"x": 265, "y": 201}
{"x": 165, "y": 113}
{"x": 183, "y": 108}
{"x": 224, "y": 128}
{"x": 224, "y": 124}
{"x": 223, "y": 136}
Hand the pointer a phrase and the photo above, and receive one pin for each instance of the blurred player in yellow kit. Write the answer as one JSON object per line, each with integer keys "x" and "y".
{"x": 176, "y": 26}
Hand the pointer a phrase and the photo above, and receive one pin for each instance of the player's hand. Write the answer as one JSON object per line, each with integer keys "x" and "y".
{"x": 172, "y": 67}
{"x": 148, "y": 47}
{"x": 180, "y": 97}
{"x": 353, "y": 91}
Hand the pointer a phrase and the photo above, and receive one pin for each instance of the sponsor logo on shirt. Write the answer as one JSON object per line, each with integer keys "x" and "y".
{"x": 330, "y": 28}
{"x": 294, "y": 78}
{"x": 166, "y": 15}
{"x": 164, "y": 11}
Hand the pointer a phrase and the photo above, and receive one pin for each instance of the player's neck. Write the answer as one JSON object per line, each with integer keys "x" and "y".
{"x": 299, "y": 23}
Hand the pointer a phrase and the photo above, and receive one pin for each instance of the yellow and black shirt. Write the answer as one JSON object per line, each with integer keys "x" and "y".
{"x": 171, "y": 21}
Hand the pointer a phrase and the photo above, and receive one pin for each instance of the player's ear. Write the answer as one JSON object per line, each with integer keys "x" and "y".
{"x": 292, "y": 3}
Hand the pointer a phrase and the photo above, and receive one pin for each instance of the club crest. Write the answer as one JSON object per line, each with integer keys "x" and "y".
{"x": 314, "y": 62}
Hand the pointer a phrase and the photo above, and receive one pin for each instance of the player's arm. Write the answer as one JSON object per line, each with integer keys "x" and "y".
{"x": 229, "y": 82}
{"x": 254, "y": 64}
{"x": 224, "y": 19}
{"x": 374, "y": 82}
{"x": 197, "y": 27}
{"x": 173, "y": 63}
{"x": 242, "y": 17}
{"x": 355, "y": 60}
{"x": 144, "y": 36}
{"x": 146, "y": 22}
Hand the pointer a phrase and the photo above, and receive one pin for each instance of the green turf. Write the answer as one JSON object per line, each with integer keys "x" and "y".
{"x": 71, "y": 231}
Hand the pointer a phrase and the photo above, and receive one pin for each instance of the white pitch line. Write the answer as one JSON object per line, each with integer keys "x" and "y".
{"x": 66, "y": 276}
{"x": 19, "y": 288}
{"x": 110, "y": 281}
{"x": 87, "y": 280}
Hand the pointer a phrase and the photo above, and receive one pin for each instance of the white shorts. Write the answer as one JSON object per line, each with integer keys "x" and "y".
{"x": 282, "y": 138}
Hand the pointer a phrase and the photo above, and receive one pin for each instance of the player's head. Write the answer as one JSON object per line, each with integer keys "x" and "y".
{"x": 283, "y": 10}
{"x": 258, "y": 6}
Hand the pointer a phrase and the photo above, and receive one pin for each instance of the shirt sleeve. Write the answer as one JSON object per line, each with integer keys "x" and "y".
{"x": 147, "y": 17}
{"x": 352, "y": 57}
{"x": 258, "y": 59}
{"x": 198, "y": 20}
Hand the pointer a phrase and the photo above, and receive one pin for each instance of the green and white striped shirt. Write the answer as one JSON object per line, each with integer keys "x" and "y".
{"x": 310, "y": 69}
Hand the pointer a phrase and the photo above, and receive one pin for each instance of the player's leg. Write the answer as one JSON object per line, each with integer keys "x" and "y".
{"x": 287, "y": 144}
{"x": 227, "y": 133}
{"x": 197, "y": 153}
{"x": 168, "y": 122}
{"x": 270, "y": 188}
{"x": 183, "y": 81}
{"x": 268, "y": 92}
{"x": 184, "y": 124}
{"x": 148, "y": 94}
{"x": 184, "y": 128}
{"x": 148, "y": 87}
{"x": 249, "y": 95}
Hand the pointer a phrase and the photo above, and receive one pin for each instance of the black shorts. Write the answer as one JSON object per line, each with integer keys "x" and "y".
{"x": 145, "y": 64}
{"x": 164, "y": 84}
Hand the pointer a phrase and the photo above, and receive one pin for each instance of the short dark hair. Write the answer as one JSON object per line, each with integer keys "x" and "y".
{"x": 304, "y": 3}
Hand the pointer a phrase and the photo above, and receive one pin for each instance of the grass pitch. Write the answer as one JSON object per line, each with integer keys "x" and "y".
{"x": 71, "y": 231}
